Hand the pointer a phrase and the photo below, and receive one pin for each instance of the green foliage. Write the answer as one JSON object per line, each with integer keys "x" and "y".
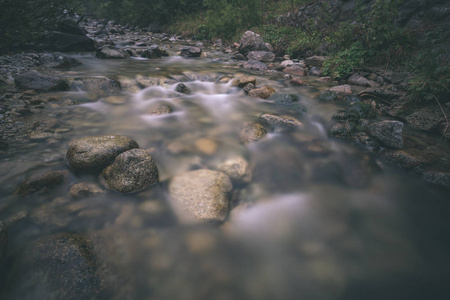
{"x": 21, "y": 21}
{"x": 345, "y": 61}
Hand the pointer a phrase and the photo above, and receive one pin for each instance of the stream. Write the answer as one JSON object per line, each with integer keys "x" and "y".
{"x": 314, "y": 218}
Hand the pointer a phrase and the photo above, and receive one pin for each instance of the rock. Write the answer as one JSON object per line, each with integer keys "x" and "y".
{"x": 251, "y": 41}
{"x": 263, "y": 92}
{"x": 389, "y": 133}
{"x": 59, "y": 60}
{"x": 154, "y": 51}
{"x": 131, "y": 171}
{"x": 248, "y": 87}
{"x": 236, "y": 168}
{"x": 261, "y": 56}
{"x": 255, "y": 65}
{"x": 61, "y": 266}
{"x": 436, "y": 176}
{"x": 284, "y": 99}
{"x": 315, "y": 71}
{"x": 34, "y": 80}
{"x": 161, "y": 109}
{"x": 67, "y": 42}
{"x": 238, "y": 56}
{"x": 182, "y": 88}
{"x": 202, "y": 194}
{"x": 42, "y": 182}
{"x": 277, "y": 120}
{"x": 427, "y": 118}
{"x": 405, "y": 159}
{"x": 93, "y": 153}
{"x": 287, "y": 63}
{"x": 243, "y": 81}
{"x": 98, "y": 87}
{"x": 325, "y": 79}
{"x": 84, "y": 190}
{"x": 315, "y": 61}
{"x": 357, "y": 79}
{"x": 206, "y": 146}
{"x": 295, "y": 70}
{"x": 108, "y": 52}
{"x": 70, "y": 26}
{"x": 3, "y": 241}
{"x": 297, "y": 81}
{"x": 343, "y": 89}
{"x": 343, "y": 130}
{"x": 191, "y": 52}
{"x": 116, "y": 100}
{"x": 252, "y": 132}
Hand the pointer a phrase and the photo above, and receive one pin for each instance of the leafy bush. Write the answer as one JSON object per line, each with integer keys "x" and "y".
{"x": 345, "y": 61}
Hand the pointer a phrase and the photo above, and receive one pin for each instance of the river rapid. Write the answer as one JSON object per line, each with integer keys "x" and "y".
{"x": 314, "y": 218}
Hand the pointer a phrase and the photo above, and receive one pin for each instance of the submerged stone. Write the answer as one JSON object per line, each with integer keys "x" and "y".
{"x": 252, "y": 132}
{"x": 42, "y": 182}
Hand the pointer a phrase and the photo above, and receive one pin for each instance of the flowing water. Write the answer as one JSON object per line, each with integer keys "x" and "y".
{"x": 318, "y": 218}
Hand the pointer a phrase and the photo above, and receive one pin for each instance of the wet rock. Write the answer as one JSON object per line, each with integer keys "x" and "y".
{"x": 59, "y": 60}
{"x": 284, "y": 99}
{"x": 202, "y": 194}
{"x": 191, "y": 52}
{"x": 92, "y": 154}
{"x": 248, "y": 87}
{"x": 251, "y": 41}
{"x": 108, "y": 52}
{"x": 406, "y": 159}
{"x": 161, "y": 109}
{"x": 84, "y": 190}
{"x": 182, "y": 88}
{"x": 238, "y": 56}
{"x": 343, "y": 129}
{"x": 315, "y": 71}
{"x": 437, "y": 176}
{"x": 61, "y": 266}
{"x": 34, "y": 80}
{"x": 154, "y": 51}
{"x": 243, "y": 81}
{"x": 315, "y": 61}
{"x": 263, "y": 92}
{"x": 255, "y": 65}
{"x": 98, "y": 87}
{"x": 343, "y": 89}
{"x": 131, "y": 171}
{"x": 236, "y": 168}
{"x": 277, "y": 120}
{"x": 147, "y": 81}
{"x": 42, "y": 182}
{"x": 325, "y": 79}
{"x": 297, "y": 81}
{"x": 3, "y": 241}
{"x": 261, "y": 56}
{"x": 295, "y": 70}
{"x": 357, "y": 79}
{"x": 389, "y": 133}
{"x": 252, "y": 132}
{"x": 116, "y": 100}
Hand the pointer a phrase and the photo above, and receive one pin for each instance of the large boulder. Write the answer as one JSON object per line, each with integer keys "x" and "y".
{"x": 251, "y": 41}
{"x": 262, "y": 92}
{"x": 34, "y": 80}
{"x": 66, "y": 42}
{"x": 389, "y": 133}
{"x": 295, "y": 70}
{"x": 202, "y": 194}
{"x": 243, "y": 81}
{"x": 255, "y": 65}
{"x": 154, "y": 51}
{"x": 132, "y": 171}
{"x": 108, "y": 52}
{"x": 261, "y": 56}
{"x": 191, "y": 52}
{"x": 61, "y": 266}
{"x": 94, "y": 153}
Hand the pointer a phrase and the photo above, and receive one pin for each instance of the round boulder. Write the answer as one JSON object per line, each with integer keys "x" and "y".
{"x": 34, "y": 80}
{"x": 243, "y": 81}
{"x": 94, "y": 153}
{"x": 263, "y": 92}
{"x": 201, "y": 194}
{"x": 251, "y": 41}
{"x": 132, "y": 171}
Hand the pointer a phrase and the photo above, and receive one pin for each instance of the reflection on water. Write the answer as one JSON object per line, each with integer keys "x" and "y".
{"x": 315, "y": 219}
